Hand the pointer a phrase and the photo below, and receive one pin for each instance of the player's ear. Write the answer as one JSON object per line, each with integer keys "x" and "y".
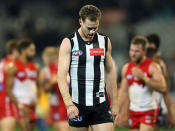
{"x": 80, "y": 21}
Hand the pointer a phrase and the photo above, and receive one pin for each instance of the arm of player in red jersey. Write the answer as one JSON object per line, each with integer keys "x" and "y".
{"x": 123, "y": 101}
{"x": 156, "y": 82}
{"x": 11, "y": 72}
{"x": 111, "y": 79}
{"x": 63, "y": 69}
{"x": 46, "y": 82}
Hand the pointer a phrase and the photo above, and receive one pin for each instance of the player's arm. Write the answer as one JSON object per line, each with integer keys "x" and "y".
{"x": 63, "y": 68}
{"x": 123, "y": 97}
{"x": 123, "y": 100}
{"x": 11, "y": 72}
{"x": 111, "y": 78}
{"x": 157, "y": 82}
{"x": 38, "y": 82}
{"x": 166, "y": 96}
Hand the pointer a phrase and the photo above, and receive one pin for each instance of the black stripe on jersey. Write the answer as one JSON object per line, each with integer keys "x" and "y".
{"x": 106, "y": 43}
{"x": 97, "y": 73}
{"x": 82, "y": 71}
{"x": 72, "y": 45}
{"x": 106, "y": 95}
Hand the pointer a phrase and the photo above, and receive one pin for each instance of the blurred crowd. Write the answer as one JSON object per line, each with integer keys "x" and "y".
{"x": 47, "y": 22}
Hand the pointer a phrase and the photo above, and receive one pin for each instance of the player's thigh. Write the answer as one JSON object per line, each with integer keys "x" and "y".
{"x": 23, "y": 124}
{"x": 156, "y": 128}
{"x": 144, "y": 127}
{"x": 61, "y": 126}
{"x": 103, "y": 127}
{"x": 78, "y": 128}
{"x": 8, "y": 124}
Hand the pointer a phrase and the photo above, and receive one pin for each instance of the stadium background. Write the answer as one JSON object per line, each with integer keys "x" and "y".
{"x": 47, "y": 22}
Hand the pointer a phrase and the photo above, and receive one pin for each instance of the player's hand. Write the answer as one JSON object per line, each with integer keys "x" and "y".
{"x": 72, "y": 112}
{"x": 26, "y": 111}
{"x": 137, "y": 73}
{"x": 114, "y": 111}
{"x": 53, "y": 79}
{"x": 171, "y": 120}
{"x": 121, "y": 121}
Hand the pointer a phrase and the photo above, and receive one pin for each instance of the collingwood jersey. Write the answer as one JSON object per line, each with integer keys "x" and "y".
{"x": 87, "y": 71}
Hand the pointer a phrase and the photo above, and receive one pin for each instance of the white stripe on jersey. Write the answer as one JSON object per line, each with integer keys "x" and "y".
{"x": 102, "y": 81}
{"x": 89, "y": 75}
{"x": 74, "y": 71}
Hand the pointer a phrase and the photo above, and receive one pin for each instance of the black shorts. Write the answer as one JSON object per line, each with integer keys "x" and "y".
{"x": 92, "y": 115}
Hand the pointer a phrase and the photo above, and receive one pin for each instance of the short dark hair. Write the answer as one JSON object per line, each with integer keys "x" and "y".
{"x": 91, "y": 12}
{"x": 24, "y": 43}
{"x": 11, "y": 45}
{"x": 155, "y": 39}
{"x": 150, "y": 52}
{"x": 140, "y": 40}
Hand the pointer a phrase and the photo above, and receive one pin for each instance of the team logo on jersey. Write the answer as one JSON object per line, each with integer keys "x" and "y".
{"x": 97, "y": 52}
{"x": 77, "y": 52}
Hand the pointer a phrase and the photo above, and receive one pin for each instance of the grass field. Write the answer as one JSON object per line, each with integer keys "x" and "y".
{"x": 117, "y": 129}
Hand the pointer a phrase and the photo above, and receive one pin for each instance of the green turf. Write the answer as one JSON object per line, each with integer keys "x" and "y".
{"x": 117, "y": 129}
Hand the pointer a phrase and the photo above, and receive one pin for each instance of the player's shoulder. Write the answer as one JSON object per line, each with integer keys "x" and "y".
{"x": 153, "y": 65}
{"x": 162, "y": 63}
{"x": 10, "y": 67}
{"x": 101, "y": 34}
{"x": 124, "y": 68}
{"x": 37, "y": 66}
{"x": 71, "y": 35}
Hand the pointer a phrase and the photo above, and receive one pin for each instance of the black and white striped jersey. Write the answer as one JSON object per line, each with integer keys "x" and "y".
{"x": 87, "y": 71}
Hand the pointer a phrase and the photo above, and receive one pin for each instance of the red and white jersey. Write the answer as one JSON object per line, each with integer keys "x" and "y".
{"x": 3, "y": 64}
{"x": 25, "y": 82}
{"x": 142, "y": 97}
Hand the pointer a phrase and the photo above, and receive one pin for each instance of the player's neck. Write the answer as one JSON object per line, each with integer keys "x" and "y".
{"x": 12, "y": 57}
{"x": 23, "y": 59}
{"x": 83, "y": 36}
{"x": 141, "y": 61}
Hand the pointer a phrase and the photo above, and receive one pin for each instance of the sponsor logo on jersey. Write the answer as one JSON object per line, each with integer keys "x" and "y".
{"x": 147, "y": 121}
{"x": 21, "y": 74}
{"x": 97, "y": 52}
{"x": 77, "y": 52}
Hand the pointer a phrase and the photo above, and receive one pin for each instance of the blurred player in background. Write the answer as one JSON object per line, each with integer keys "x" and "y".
{"x": 22, "y": 79}
{"x": 164, "y": 100}
{"x": 140, "y": 79}
{"x": 48, "y": 77}
{"x": 7, "y": 117}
